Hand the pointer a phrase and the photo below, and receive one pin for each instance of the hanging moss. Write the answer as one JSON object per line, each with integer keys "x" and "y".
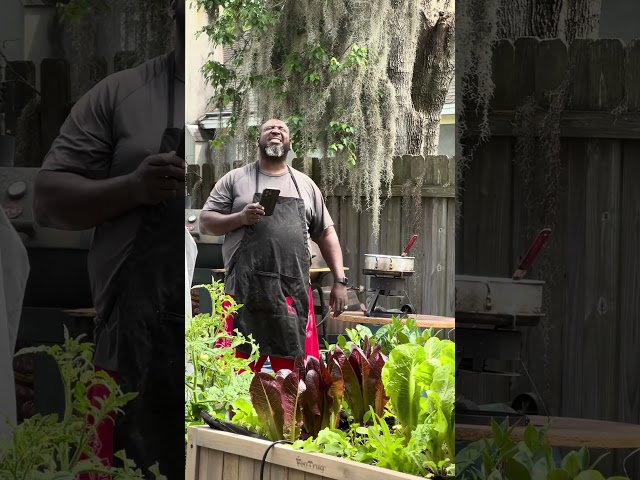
{"x": 345, "y": 80}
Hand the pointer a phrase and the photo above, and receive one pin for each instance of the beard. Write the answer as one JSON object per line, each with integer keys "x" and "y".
{"x": 275, "y": 151}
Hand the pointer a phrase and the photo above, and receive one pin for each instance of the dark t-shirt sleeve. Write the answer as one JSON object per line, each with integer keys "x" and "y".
{"x": 221, "y": 197}
{"x": 321, "y": 219}
{"x": 85, "y": 143}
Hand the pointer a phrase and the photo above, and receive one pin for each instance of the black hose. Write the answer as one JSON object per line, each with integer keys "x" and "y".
{"x": 264, "y": 457}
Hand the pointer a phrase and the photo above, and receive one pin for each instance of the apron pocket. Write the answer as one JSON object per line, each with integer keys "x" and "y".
{"x": 166, "y": 366}
{"x": 265, "y": 293}
{"x": 295, "y": 295}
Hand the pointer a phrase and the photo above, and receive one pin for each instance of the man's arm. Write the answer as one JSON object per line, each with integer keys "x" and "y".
{"x": 332, "y": 254}
{"x": 70, "y": 201}
{"x": 216, "y": 223}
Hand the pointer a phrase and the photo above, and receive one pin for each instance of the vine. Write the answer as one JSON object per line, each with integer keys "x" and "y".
{"x": 477, "y": 34}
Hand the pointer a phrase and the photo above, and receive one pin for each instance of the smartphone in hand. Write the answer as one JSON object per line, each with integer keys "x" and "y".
{"x": 268, "y": 200}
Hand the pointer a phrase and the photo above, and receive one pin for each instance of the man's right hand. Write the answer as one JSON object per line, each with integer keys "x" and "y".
{"x": 251, "y": 213}
{"x": 158, "y": 178}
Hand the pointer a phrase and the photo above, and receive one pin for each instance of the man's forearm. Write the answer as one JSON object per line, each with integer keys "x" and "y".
{"x": 215, "y": 223}
{"x": 71, "y": 202}
{"x": 331, "y": 251}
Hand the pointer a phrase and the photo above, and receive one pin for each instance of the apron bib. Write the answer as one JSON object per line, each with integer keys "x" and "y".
{"x": 271, "y": 271}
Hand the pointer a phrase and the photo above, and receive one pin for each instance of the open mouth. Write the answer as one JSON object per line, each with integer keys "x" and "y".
{"x": 275, "y": 140}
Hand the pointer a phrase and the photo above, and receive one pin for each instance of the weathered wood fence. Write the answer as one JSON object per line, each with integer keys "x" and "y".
{"x": 431, "y": 288}
{"x": 49, "y": 106}
{"x": 575, "y": 167}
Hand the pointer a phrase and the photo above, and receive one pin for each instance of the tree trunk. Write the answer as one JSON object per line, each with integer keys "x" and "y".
{"x": 432, "y": 74}
{"x": 420, "y": 69}
{"x": 583, "y": 19}
{"x": 402, "y": 52}
{"x": 565, "y": 19}
{"x": 515, "y": 19}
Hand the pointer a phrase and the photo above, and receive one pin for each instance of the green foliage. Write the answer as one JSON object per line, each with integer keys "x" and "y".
{"x": 389, "y": 336}
{"x": 502, "y": 458}
{"x": 215, "y": 379}
{"x": 46, "y": 446}
{"x": 76, "y": 10}
{"x": 312, "y": 64}
{"x": 419, "y": 378}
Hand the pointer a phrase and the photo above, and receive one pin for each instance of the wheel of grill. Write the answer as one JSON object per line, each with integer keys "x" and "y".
{"x": 527, "y": 403}
{"x": 408, "y": 308}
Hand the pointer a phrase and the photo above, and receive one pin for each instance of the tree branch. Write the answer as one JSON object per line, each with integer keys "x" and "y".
{"x": 18, "y": 76}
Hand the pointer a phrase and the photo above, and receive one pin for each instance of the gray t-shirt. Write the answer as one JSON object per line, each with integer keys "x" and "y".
{"x": 108, "y": 133}
{"x": 236, "y": 189}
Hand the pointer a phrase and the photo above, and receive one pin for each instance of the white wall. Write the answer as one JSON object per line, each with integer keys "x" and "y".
{"x": 12, "y": 29}
{"x": 37, "y": 32}
{"x": 197, "y": 54}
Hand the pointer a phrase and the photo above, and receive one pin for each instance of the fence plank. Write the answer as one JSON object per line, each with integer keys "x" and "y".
{"x": 503, "y": 68}
{"x": 55, "y": 89}
{"x": 632, "y": 75}
{"x": 629, "y": 301}
{"x": 18, "y": 93}
{"x": 524, "y": 78}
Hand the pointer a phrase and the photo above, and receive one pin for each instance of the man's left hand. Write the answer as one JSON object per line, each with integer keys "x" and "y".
{"x": 338, "y": 298}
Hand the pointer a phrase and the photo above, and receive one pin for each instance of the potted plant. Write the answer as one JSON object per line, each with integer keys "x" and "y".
{"x": 53, "y": 447}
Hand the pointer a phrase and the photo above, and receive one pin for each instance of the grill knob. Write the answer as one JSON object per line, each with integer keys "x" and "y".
{"x": 17, "y": 190}
{"x": 192, "y": 218}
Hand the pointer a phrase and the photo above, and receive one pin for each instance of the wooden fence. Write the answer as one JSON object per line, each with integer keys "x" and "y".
{"x": 49, "y": 106}
{"x": 583, "y": 356}
{"x": 431, "y": 289}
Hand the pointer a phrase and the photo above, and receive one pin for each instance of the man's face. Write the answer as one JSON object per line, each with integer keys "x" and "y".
{"x": 274, "y": 139}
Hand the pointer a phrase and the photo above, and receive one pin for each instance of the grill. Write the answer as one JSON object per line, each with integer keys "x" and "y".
{"x": 58, "y": 282}
{"x": 209, "y": 262}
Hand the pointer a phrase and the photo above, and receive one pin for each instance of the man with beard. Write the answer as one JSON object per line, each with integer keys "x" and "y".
{"x": 114, "y": 168}
{"x": 267, "y": 258}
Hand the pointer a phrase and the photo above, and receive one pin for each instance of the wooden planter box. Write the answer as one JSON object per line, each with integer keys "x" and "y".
{"x": 215, "y": 455}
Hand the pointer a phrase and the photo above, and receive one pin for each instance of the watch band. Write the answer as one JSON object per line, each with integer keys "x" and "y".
{"x": 342, "y": 280}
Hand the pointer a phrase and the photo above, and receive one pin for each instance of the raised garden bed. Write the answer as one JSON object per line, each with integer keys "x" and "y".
{"x": 214, "y": 455}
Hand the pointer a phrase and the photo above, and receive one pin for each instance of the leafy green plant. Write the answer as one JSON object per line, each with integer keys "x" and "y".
{"x": 420, "y": 381}
{"x": 414, "y": 433}
{"x": 215, "y": 379}
{"x": 53, "y": 447}
{"x": 322, "y": 398}
{"x": 362, "y": 374}
{"x": 389, "y": 336}
{"x": 277, "y": 401}
{"x": 502, "y": 458}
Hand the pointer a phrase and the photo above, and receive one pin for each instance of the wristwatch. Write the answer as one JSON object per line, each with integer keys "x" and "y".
{"x": 342, "y": 280}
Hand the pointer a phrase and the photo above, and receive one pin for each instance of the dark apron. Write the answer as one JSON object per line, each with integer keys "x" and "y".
{"x": 147, "y": 324}
{"x": 271, "y": 271}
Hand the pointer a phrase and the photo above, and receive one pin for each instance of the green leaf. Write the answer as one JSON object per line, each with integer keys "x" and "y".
{"x": 266, "y": 399}
{"x": 531, "y": 438}
{"x": 496, "y": 475}
{"x": 398, "y": 376}
{"x": 589, "y": 475}
{"x": 558, "y": 475}
{"x": 516, "y": 470}
{"x": 571, "y": 463}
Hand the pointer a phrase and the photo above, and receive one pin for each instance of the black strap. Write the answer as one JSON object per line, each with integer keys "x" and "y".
{"x": 171, "y": 72}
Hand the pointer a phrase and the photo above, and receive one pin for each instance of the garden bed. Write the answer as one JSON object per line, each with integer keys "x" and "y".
{"x": 215, "y": 455}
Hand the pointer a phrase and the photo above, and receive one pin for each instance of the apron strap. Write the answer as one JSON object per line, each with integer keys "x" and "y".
{"x": 171, "y": 71}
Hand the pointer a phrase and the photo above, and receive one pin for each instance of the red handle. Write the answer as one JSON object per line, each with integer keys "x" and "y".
{"x": 409, "y": 245}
